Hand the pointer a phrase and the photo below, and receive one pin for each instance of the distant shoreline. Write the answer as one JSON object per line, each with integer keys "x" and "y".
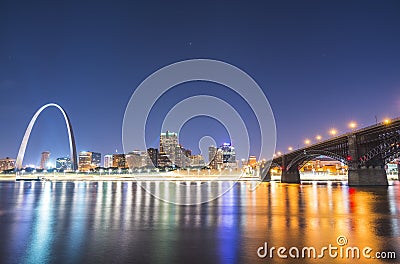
{"x": 193, "y": 178}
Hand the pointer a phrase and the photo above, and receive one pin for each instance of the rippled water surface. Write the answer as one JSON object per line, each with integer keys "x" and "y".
{"x": 118, "y": 222}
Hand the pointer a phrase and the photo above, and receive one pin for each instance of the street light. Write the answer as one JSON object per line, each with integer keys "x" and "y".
{"x": 307, "y": 141}
{"x": 353, "y": 125}
{"x": 279, "y": 153}
{"x": 333, "y": 132}
{"x": 386, "y": 121}
{"x": 318, "y": 137}
{"x": 290, "y": 148}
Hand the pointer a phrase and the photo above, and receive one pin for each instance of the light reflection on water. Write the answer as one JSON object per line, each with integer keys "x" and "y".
{"x": 119, "y": 222}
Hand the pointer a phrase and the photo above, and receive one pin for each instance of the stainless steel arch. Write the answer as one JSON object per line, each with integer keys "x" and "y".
{"x": 72, "y": 146}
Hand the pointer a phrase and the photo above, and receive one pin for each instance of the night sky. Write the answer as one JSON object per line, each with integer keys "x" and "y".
{"x": 321, "y": 64}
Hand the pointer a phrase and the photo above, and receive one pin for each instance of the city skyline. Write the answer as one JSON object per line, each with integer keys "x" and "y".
{"x": 200, "y": 131}
{"x": 45, "y": 161}
{"x": 108, "y": 159}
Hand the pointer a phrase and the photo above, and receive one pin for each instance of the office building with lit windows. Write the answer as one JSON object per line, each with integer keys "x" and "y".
{"x": 89, "y": 160}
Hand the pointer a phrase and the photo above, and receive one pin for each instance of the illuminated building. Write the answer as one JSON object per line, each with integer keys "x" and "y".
{"x": 228, "y": 155}
{"x": 7, "y": 164}
{"x": 252, "y": 161}
{"x": 137, "y": 159}
{"x": 64, "y": 163}
{"x": 196, "y": 161}
{"x": 324, "y": 165}
{"x": 108, "y": 161}
{"x": 168, "y": 144}
{"x": 119, "y": 161}
{"x": 182, "y": 156}
{"x": 215, "y": 158}
{"x": 44, "y": 159}
{"x": 89, "y": 160}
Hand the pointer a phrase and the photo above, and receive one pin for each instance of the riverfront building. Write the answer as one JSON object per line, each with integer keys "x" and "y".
{"x": 89, "y": 160}
{"x": 64, "y": 163}
{"x": 119, "y": 161}
{"x": 7, "y": 164}
{"x": 44, "y": 159}
{"x": 108, "y": 161}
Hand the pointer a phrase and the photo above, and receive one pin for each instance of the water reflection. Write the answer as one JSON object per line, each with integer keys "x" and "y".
{"x": 70, "y": 222}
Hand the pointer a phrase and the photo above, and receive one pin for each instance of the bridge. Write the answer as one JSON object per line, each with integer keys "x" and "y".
{"x": 365, "y": 151}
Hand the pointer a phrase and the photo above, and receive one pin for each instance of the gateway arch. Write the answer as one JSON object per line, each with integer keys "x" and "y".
{"x": 72, "y": 146}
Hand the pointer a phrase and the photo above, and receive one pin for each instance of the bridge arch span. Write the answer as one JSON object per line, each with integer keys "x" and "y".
{"x": 72, "y": 146}
{"x": 306, "y": 156}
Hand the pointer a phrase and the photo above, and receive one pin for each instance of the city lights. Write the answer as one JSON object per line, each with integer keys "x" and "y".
{"x": 333, "y": 132}
{"x": 353, "y": 125}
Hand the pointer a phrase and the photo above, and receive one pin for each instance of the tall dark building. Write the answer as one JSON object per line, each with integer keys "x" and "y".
{"x": 96, "y": 159}
{"x": 215, "y": 158}
{"x": 228, "y": 155}
{"x": 153, "y": 157}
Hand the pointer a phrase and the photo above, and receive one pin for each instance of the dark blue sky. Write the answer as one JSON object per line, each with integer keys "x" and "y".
{"x": 320, "y": 63}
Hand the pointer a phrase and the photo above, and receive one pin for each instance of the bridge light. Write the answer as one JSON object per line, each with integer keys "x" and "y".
{"x": 318, "y": 137}
{"x": 307, "y": 142}
{"x": 386, "y": 121}
{"x": 353, "y": 125}
{"x": 333, "y": 132}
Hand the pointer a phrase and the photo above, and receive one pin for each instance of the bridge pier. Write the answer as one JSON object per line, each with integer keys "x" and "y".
{"x": 372, "y": 176}
{"x": 290, "y": 176}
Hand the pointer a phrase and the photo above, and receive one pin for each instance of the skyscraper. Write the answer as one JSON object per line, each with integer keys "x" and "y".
{"x": 44, "y": 159}
{"x": 228, "y": 155}
{"x": 182, "y": 156}
{"x": 168, "y": 144}
{"x": 215, "y": 158}
{"x": 152, "y": 154}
